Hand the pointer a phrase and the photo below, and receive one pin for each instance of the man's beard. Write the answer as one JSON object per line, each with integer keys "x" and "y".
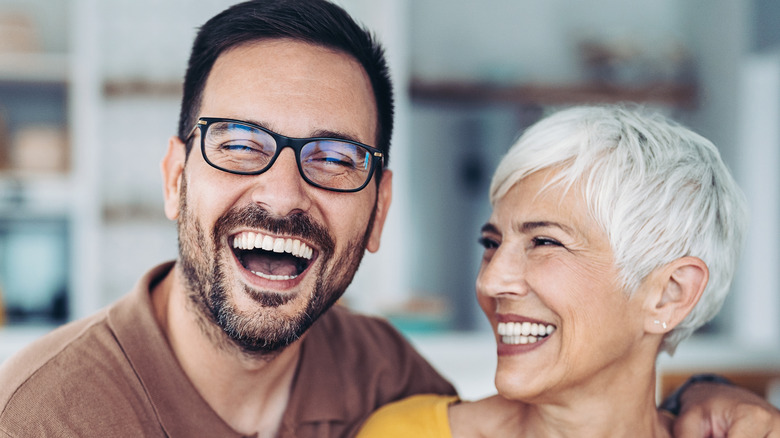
{"x": 267, "y": 331}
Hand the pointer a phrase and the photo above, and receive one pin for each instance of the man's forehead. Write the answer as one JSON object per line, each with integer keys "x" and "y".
{"x": 292, "y": 87}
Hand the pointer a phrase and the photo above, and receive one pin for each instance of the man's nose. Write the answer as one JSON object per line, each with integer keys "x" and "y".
{"x": 281, "y": 189}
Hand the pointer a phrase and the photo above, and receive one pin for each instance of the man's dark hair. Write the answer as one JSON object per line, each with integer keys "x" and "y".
{"x": 316, "y": 22}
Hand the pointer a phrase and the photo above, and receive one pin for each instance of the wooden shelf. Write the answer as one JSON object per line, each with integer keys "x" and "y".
{"x": 474, "y": 93}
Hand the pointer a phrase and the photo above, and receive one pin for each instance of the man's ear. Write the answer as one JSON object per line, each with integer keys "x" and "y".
{"x": 679, "y": 287}
{"x": 172, "y": 167}
{"x": 384, "y": 197}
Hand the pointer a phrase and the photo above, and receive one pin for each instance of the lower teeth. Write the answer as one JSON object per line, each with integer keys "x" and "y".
{"x": 519, "y": 339}
{"x": 274, "y": 277}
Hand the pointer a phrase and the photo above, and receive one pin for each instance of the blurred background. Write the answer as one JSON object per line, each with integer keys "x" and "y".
{"x": 89, "y": 94}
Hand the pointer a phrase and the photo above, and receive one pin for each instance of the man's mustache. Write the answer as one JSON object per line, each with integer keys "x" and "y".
{"x": 298, "y": 224}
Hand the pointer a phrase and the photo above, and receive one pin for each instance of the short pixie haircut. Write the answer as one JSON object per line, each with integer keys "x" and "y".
{"x": 317, "y": 22}
{"x": 658, "y": 190}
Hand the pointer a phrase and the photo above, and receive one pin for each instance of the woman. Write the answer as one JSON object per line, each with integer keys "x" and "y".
{"x": 614, "y": 235}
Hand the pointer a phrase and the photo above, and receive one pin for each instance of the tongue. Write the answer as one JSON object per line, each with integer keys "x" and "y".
{"x": 271, "y": 263}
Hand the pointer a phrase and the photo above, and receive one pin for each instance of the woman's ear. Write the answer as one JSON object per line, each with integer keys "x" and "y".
{"x": 679, "y": 287}
{"x": 172, "y": 167}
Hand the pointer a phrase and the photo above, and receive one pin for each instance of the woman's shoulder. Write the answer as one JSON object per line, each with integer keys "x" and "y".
{"x": 423, "y": 415}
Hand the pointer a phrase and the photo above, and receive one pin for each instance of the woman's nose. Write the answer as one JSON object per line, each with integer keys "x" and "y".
{"x": 504, "y": 274}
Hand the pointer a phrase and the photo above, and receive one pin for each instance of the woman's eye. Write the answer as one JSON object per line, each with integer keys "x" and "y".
{"x": 488, "y": 243}
{"x": 545, "y": 241}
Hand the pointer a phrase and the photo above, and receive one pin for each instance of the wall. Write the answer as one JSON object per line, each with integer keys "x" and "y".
{"x": 528, "y": 40}
{"x": 443, "y": 154}
{"x": 505, "y": 43}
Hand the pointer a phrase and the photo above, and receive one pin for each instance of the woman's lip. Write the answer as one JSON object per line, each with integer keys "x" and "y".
{"x": 508, "y": 317}
{"x": 512, "y": 349}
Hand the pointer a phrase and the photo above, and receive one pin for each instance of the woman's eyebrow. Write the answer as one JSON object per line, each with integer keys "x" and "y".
{"x": 526, "y": 227}
{"x": 489, "y": 228}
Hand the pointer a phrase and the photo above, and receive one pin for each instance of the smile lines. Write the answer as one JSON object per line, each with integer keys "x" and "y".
{"x": 248, "y": 241}
{"x": 523, "y": 332}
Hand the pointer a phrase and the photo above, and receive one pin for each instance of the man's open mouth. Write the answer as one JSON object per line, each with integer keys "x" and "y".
{"x": 523, "y": 332}
{"x": 272, "y": 258}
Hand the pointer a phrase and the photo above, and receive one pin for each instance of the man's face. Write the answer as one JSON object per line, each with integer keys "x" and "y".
{"x": 265, "y": 299}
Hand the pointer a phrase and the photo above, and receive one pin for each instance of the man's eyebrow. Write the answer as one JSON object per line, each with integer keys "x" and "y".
{"x": 256, "y": 122}
{"x": 334, "y": 134}
{"x": 319, "y": 133}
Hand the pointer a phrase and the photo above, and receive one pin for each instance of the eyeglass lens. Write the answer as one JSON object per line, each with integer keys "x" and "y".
{"x": 236, "y": 147}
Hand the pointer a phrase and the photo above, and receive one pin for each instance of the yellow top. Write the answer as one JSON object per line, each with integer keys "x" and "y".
{"x": 422, "y": 415}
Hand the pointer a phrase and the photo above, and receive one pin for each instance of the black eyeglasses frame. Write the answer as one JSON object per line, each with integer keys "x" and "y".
{"x": 282, "y": 142}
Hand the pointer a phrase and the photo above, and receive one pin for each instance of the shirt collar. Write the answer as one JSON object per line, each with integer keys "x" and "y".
{"x": 179, "y": 407}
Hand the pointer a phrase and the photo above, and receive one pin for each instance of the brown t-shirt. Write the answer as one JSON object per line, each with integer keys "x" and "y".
{"x": 114, "y": 375}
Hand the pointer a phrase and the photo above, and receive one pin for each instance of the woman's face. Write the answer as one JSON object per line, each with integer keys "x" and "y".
{"x": 550, "y": 288}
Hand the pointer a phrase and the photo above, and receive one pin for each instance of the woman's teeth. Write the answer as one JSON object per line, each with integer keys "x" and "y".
{"x": 523, "y": 332}
{"x": 249, "y": 241}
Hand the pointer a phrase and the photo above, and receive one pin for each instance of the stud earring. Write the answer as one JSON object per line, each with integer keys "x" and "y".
{"x": 663, "y": 324}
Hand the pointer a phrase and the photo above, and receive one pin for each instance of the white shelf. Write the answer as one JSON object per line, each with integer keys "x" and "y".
{"x": 24, "y": 195}
{"x": 34, "y": 67}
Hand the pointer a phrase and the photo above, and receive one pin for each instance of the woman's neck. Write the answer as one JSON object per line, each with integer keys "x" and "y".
{"x": 618, "y": 410}
{"x": 602, "y": 416}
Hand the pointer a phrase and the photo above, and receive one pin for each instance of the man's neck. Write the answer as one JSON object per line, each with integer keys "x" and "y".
{"x": 249, "y": 394}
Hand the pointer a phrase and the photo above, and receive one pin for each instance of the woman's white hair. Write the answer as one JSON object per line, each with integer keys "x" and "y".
{"x": 658, "y": 190}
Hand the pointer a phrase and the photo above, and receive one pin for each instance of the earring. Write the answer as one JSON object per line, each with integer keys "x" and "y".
{"x": 663, "y": 324}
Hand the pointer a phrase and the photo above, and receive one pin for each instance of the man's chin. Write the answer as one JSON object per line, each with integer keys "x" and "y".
{"x": 253, "y": 340}
{"x": 260, "y": 347}
{"x": 272, "y": 300}
{"x": 272, "y": 322}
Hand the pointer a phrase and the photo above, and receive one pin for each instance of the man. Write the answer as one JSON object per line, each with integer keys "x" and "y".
{"x": 240, "y": 336}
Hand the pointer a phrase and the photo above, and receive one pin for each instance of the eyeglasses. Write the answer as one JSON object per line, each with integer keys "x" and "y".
{"x": 245, "y": 148}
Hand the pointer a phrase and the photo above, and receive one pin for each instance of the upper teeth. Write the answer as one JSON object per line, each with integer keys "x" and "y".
{"x": 523, "y": 332}
{"x": 248, "y": 240}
